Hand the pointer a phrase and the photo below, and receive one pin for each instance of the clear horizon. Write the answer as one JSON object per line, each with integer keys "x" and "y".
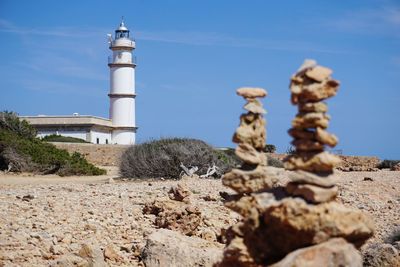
{"x": 193, "y": 56}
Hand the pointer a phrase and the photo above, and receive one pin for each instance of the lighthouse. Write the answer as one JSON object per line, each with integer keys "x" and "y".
{"x": 122, "y": 87}
{"x": 120, "y": 128}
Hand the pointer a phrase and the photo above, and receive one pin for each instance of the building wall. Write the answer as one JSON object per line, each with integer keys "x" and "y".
{"x": 95, "y": 135}
{"x": 81, "y": 134}
{"x": 102, "y": 137}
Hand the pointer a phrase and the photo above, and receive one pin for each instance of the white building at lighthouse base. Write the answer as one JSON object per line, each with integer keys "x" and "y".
{"x": 91, "y": 129}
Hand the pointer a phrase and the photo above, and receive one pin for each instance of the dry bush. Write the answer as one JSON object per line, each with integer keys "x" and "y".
{"x": 161, "y": 158}
{"x": 13, "y": 161}
{"x": 388, "y": 164}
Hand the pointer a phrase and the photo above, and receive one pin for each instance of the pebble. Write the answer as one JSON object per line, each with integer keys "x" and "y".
{"x": 51, "y": 226}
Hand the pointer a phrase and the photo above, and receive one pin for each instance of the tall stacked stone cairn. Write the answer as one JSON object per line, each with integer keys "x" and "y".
{"x": 299, "y": 224}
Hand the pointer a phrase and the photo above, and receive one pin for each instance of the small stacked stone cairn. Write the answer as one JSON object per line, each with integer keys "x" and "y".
{"x": 299, "y": 224}
{"x": 309, "y": 87}
{"x": 253, "y": 178}
{"x": 250, "y": 137}
{"x": 313, "y": 180}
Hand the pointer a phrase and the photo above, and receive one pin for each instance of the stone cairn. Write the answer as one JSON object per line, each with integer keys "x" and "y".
{"x": 299, "y": 224}
{"x": 248, "y": 182}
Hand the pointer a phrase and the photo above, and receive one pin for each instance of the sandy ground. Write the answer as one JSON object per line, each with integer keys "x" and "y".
{"x": 45, "y": 218}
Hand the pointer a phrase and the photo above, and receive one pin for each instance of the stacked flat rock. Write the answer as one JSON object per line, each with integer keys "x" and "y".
{"x": 249, "y": 182}
{"x": 250, "y": 137}
{"x": 310, "y": 86}
{"x": 313, "y": 179}
{"x": 299, "y": 224}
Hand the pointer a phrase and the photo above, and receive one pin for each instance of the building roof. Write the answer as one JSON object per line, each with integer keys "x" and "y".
{"x": 71, "y": 120}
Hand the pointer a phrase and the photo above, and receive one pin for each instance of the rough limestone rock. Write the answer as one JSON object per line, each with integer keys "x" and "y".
{"x": 255, "y": 107}
{"x": 250, "y": 155}
{"x": 243, "y": 181}
{"x": 312, "y": 92}
{"x": 92, "y": 253}
{"x": 111, "y": 254}
{"x": 71, "y": 260}
{"x": 311, "y": 120}
{"x": 313, "y": 224}
{"x": 179, "y": 193}
{"x": 248, "y": 204}
{"x": 175, "y": 215}
{"x": 251, "y": 131}
{"x": 319, "y": 135}
{"x": 308, "y": 145}
{"x": 321, "y": 162}
{"x": 325, "y": 137}
{"x": 165, "y": 248}
{"x": 319, "y": 107}
{"x": 318, "y": 73}
{"x": 302, "y": 177}
{"x": 335, "y": 252}
{"x": 250, "y": 92}
{"x": 312, "y": 193}
{"x": 236, "y": 254}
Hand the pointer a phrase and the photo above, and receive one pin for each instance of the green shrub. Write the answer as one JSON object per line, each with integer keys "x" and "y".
{"x": 64, "y": 139}
{"x": 388, "y": 164}
{"x": 228, "y": 156}
{"x": 19, "y": 151}
{"x": 11, "y": 122}
{"x": 269, "y": 148}
{"x": 162, "y": 158}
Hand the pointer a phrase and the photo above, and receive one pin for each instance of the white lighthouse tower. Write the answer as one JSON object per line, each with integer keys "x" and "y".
{"x": 122, "y": 87}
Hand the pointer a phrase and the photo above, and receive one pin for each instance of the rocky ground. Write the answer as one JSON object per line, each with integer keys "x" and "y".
{"x": 49, "y": 220}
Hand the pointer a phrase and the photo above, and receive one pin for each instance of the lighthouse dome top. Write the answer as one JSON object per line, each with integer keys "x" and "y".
{"x": 122, "y": 27}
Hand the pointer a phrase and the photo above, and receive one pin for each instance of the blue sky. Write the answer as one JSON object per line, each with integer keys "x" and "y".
{"x": 192, "y": 55}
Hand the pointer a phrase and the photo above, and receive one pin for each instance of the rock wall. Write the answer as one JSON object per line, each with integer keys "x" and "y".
{"x": 104, "y": 155}
{"x": 349, "y": 163}
{"x": 109, "y": 155}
